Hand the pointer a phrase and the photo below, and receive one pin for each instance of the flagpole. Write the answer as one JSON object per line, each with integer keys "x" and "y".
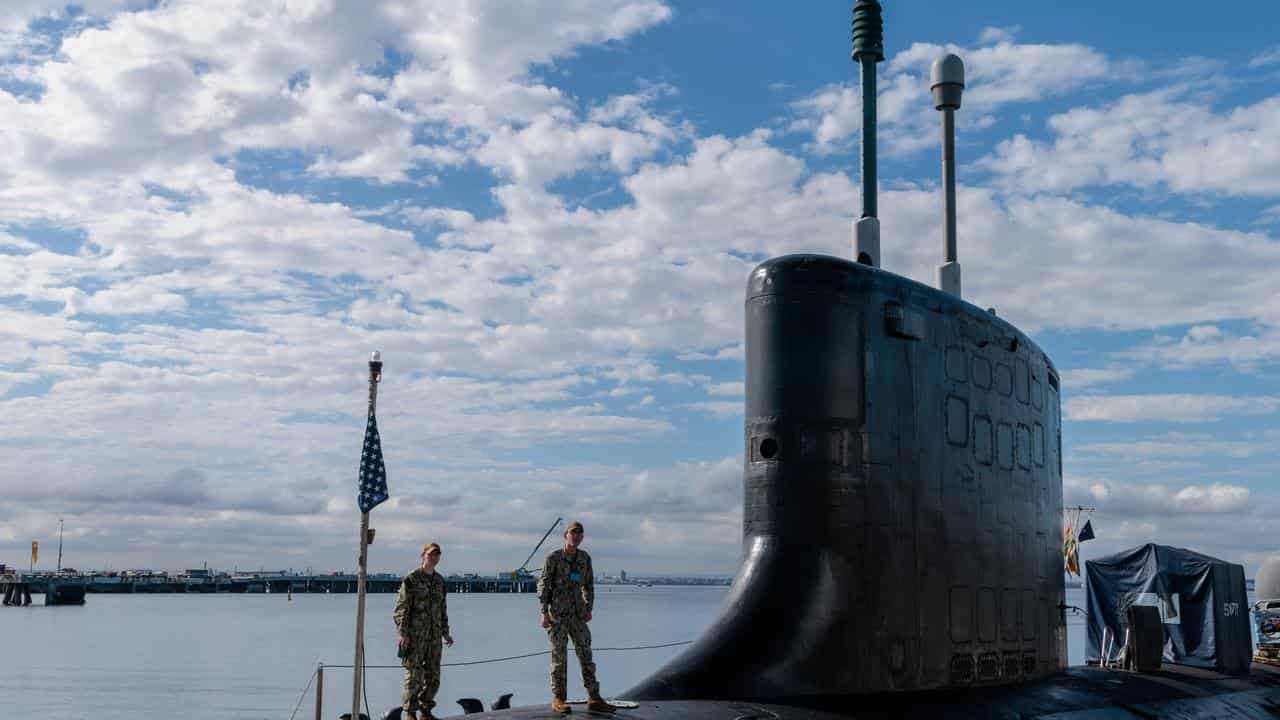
{"x": 375, "y": 374}
{"x": 359, "y": 661}
{"x": 1079, "y": 511}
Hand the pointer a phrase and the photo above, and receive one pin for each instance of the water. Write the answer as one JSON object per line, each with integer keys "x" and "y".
{"x": 249, "y": 656}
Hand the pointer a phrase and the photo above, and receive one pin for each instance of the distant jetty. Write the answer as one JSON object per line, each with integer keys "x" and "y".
{"x": 138, "y": 582}
{"x": 17, "y": 591}
{"x": 208, "y": 581}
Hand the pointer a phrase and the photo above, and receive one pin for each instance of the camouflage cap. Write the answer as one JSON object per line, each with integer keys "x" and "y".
{"x": 575, "y": 525}
{"x": 430, "y": 548}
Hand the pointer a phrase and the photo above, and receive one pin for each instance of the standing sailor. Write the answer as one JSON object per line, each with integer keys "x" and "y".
{"x": 566, "y": 592}
{"x": 423, "y": 620}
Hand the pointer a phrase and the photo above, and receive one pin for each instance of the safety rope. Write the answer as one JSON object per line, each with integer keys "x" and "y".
{"x": 303, "y": 696}
{"x": 526, "y": 655}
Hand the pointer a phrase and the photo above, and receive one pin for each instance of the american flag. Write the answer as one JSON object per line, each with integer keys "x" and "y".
{"x": 373, "y": 473}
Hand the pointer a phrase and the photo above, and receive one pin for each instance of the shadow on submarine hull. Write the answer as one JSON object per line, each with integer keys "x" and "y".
{"x": 1078, "y": 693}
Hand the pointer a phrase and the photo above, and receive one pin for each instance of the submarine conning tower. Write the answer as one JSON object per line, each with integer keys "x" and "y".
{"x": 902, "y": 513}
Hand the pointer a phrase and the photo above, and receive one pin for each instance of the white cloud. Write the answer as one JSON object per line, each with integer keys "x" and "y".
{"x": 39, "y": 274}
{"x": 1266, "y": 58}
{"x": 690, "y": 510}
{"x": 688, "y": 489}
{"x": 1165, "y": 407}
{"x": 1209, "y": 345}
{"x": 203, "y": 336}
{"x": 187, "y": 80}
{"x": 720, "y": 409}
{"x": 126, "y": 298}
{"x": 1155, "y": 499}
{"x": 732, "y": 352}
{"x": 1029, "y": 257}
{"x": 1167, "y": 138}
{"x": 1082, "y": 378}
{"x": 8, "y": 380}
{"x": 551, "y": 147}
{"x": 1214, "y": 519}
{"x": 18, "y": 13}
{"x": 447, "y": 217}
{"x": 657, "y": 273}
{"x": 996, "y": 74}
{"x": 17, "y": 243}
{"x": 604, "y": 290}
{"x": 20, "y": 42}
{"x": 994, "y": 35}
{"x": 1181, "y": 446}
{"x": 726, "y": 388}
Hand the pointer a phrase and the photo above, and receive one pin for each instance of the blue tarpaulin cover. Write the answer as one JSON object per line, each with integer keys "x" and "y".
{"x": 1202, "y": 601}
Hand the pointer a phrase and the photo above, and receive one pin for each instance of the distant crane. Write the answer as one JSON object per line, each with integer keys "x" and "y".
{"x": 520, "y": 571}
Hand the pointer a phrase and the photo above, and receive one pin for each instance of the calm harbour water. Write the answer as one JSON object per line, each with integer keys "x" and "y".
{"x": 250, "y": 656}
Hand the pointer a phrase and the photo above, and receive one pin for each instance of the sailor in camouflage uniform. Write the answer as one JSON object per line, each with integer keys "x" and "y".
{"x": 566, "y": 592}
{"x": 423, "y": 621}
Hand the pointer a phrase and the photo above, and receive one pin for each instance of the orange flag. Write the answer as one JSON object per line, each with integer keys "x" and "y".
{"x": 1071, "y": 551}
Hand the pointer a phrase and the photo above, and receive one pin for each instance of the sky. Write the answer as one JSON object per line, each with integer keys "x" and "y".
{"x": 543, "y": 215}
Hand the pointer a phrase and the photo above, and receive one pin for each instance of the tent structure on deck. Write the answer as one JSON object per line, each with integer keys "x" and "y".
{"x": 1202, "y": 601}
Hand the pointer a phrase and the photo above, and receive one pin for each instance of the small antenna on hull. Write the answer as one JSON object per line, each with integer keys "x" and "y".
{"x": 868, "y": 49}
{"x": 947, "y": 83}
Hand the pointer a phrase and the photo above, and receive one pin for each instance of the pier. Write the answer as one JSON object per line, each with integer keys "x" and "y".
{"x": 18, "y": 589}
{"x": 204, "y": 581}
{"x": 17, "y": 592}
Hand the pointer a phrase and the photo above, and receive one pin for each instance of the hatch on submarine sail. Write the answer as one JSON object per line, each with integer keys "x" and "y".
{"x": 902, "y": 504}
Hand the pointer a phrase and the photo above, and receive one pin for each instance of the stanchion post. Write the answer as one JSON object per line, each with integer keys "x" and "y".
{"x": 319, "y": 691}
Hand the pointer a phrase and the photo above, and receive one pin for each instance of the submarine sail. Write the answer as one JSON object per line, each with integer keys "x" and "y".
{"x": 903, "y": 476}
{"x": 902, "y": 496}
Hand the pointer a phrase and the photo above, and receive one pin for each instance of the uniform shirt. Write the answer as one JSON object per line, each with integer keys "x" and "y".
{"x": 420, "y": 606}
{"x": 567, "y": 587}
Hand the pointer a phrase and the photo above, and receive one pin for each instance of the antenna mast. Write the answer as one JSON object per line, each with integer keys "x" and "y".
{"x": 868, "y": 49}
{"x": 947, "y": 84}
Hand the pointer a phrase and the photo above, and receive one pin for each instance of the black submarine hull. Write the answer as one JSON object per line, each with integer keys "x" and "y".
{"x": 902, "y": 496}
{"x": 902, "y": 526}
{"x": 1077, "y": 693}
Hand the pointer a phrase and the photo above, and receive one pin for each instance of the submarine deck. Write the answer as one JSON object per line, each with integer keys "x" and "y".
{"x": 1175, "y": 692}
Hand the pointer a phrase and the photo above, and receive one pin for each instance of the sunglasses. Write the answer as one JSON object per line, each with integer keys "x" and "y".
{"x": 575, "y": 532}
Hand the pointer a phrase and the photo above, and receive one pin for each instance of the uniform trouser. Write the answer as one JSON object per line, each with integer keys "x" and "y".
{"x": 421, "y": 676}
{"x": 560, "y": 633}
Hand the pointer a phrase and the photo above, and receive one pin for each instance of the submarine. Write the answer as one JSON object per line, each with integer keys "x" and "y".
{"x": 902, "y": 505}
